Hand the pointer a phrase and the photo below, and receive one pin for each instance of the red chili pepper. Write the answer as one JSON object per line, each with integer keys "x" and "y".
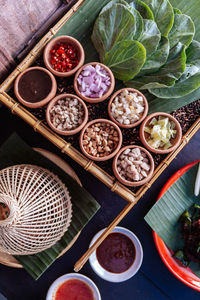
{"x": 63, "y": 57}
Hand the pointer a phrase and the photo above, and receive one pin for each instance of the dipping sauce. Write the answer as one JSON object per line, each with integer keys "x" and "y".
{"x": 116, "y": 253}
{"x": 34, "y": 86}
{"x": 74, "y": 289}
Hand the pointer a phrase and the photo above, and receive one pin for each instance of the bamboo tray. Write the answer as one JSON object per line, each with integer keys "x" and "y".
{"x": 38, "y": 125}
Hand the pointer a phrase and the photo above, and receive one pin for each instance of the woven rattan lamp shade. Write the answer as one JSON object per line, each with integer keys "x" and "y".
{"x": 40, "y": 209}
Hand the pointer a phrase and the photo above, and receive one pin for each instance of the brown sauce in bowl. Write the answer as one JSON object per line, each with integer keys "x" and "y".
{"x": 116, "y": 253}
{"x": 34, "y": 86}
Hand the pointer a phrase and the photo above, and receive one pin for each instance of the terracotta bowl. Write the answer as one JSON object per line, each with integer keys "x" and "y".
{"x": 143, "y": 116}
{"x": 175, "y": 141}
{"x": 43, "y": 101}
{"x": 65, "y": 39}
{"x": 105, "y": 157}
{"x": 106, "y": 95}
{"x": 133, "y": 183}
{"x": 66, "y": 132}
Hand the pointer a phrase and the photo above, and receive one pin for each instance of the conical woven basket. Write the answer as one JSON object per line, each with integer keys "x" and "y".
{"x": 39, "y": 206}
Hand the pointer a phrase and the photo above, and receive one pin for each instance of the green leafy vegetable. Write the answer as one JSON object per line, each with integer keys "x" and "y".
{"x": 165, "y": 31}
{"x": 171, "y": 104}
{"x": 166, "y": 76}
{"x": 177, "y": 11}
{"x": 193, "y": 53}
{"x": 143, "y": 9}
{"x": 181, "y": 88}
{"x": 111, "y": 3}
{"x": 182, "y": 31}
{"x": 192, "y": 9}
{"x": 125, "y": 59}
{"x": 114, "y": 25}
{"x": 163, "y": 14}
{"x": 157, "y": 59}
{"x": 190, "y": 79}
{"x": 150, "y": 37}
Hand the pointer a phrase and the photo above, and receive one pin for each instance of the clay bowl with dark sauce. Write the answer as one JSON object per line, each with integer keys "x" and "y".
{"x": 35, "y": 87}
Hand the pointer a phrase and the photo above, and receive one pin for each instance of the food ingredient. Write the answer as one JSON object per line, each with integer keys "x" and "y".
{"x": 133, "y": 164}
{"x": 160, "y": 131}
{"x": 190, "y": 224}
{"x": 189, "y": 80}
{"x": 93, "y": 81}
{"x": 127, "y": 107}
{"x": 34, "y": 85}
{"x": 74, "y": 289}
{"x": 116, "y": 253}
{"x": 67, "y": 114}
{"x": 166, "y": 38}
{"x": 100, "y": 139}
{"x": 63, "y": 57}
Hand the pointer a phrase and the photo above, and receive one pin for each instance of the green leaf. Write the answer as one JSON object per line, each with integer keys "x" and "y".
{"x": 111, "y": 3}
{"x": 114, "y": 25}
{"x": 139, "y": 24}
{"x": 192, "y": 9}
{"x": 170, "y": 104}
{"x": 193, "y": 53}
{"x": 166, "y": 76}
{"x": 150, "y": 37}
{"x": 125, "y": 59}
{"x": 163, "y": 14}
{"x": 181, "y": 88}
{"x": 143, "y": 9}
{"x": 164, "y": 216}
{"x": 157, "y": 59}
{"x": 182, "y": 31}
{"x": 190, "y": 79}
{"x": 177, "y": 11}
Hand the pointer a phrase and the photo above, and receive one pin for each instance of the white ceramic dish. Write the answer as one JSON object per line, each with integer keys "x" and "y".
{"x": 118, "y": 277}
{"x": 56, "y": 284}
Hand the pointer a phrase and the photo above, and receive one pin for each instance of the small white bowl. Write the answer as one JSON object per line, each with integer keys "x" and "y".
{"x": 118, "y": 277}
{"x": 57, "y": 283}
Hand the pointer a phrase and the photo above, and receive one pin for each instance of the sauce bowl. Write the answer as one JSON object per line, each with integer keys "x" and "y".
{"x": 118, "y": 277}
{"x": 59, "y": 281}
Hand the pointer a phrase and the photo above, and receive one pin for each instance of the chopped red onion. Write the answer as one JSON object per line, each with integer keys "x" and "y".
{"x": 94, "y": 81}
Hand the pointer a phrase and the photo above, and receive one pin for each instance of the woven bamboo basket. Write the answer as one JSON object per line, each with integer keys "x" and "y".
{"x": 39, "y": 207}
{"x": 65, "y": 147}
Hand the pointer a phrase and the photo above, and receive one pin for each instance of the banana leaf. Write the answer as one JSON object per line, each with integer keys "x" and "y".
{"x": 16, "y": 151}
{"x": 164, "y": 216}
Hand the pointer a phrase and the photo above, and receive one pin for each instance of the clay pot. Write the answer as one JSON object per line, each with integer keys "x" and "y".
{"x": 68, "y": 40}
{"x": 66, "y": 132}
{"x": 143, "y": 116}
{"x": 174, "y": 141}
{"x": 106, "y": 95}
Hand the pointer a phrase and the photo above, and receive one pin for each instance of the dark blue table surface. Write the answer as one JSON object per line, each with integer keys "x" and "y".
{"x": 153, "y": 281}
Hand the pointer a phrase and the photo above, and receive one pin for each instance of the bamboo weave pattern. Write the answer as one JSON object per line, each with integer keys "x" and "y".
{"x": 40, "y": 209}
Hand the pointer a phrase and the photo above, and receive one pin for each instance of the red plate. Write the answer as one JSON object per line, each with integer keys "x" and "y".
{"x": 183, "y": 274}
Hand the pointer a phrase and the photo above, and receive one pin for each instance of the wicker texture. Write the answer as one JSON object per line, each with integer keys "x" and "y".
{"x": 40, "y": 209}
